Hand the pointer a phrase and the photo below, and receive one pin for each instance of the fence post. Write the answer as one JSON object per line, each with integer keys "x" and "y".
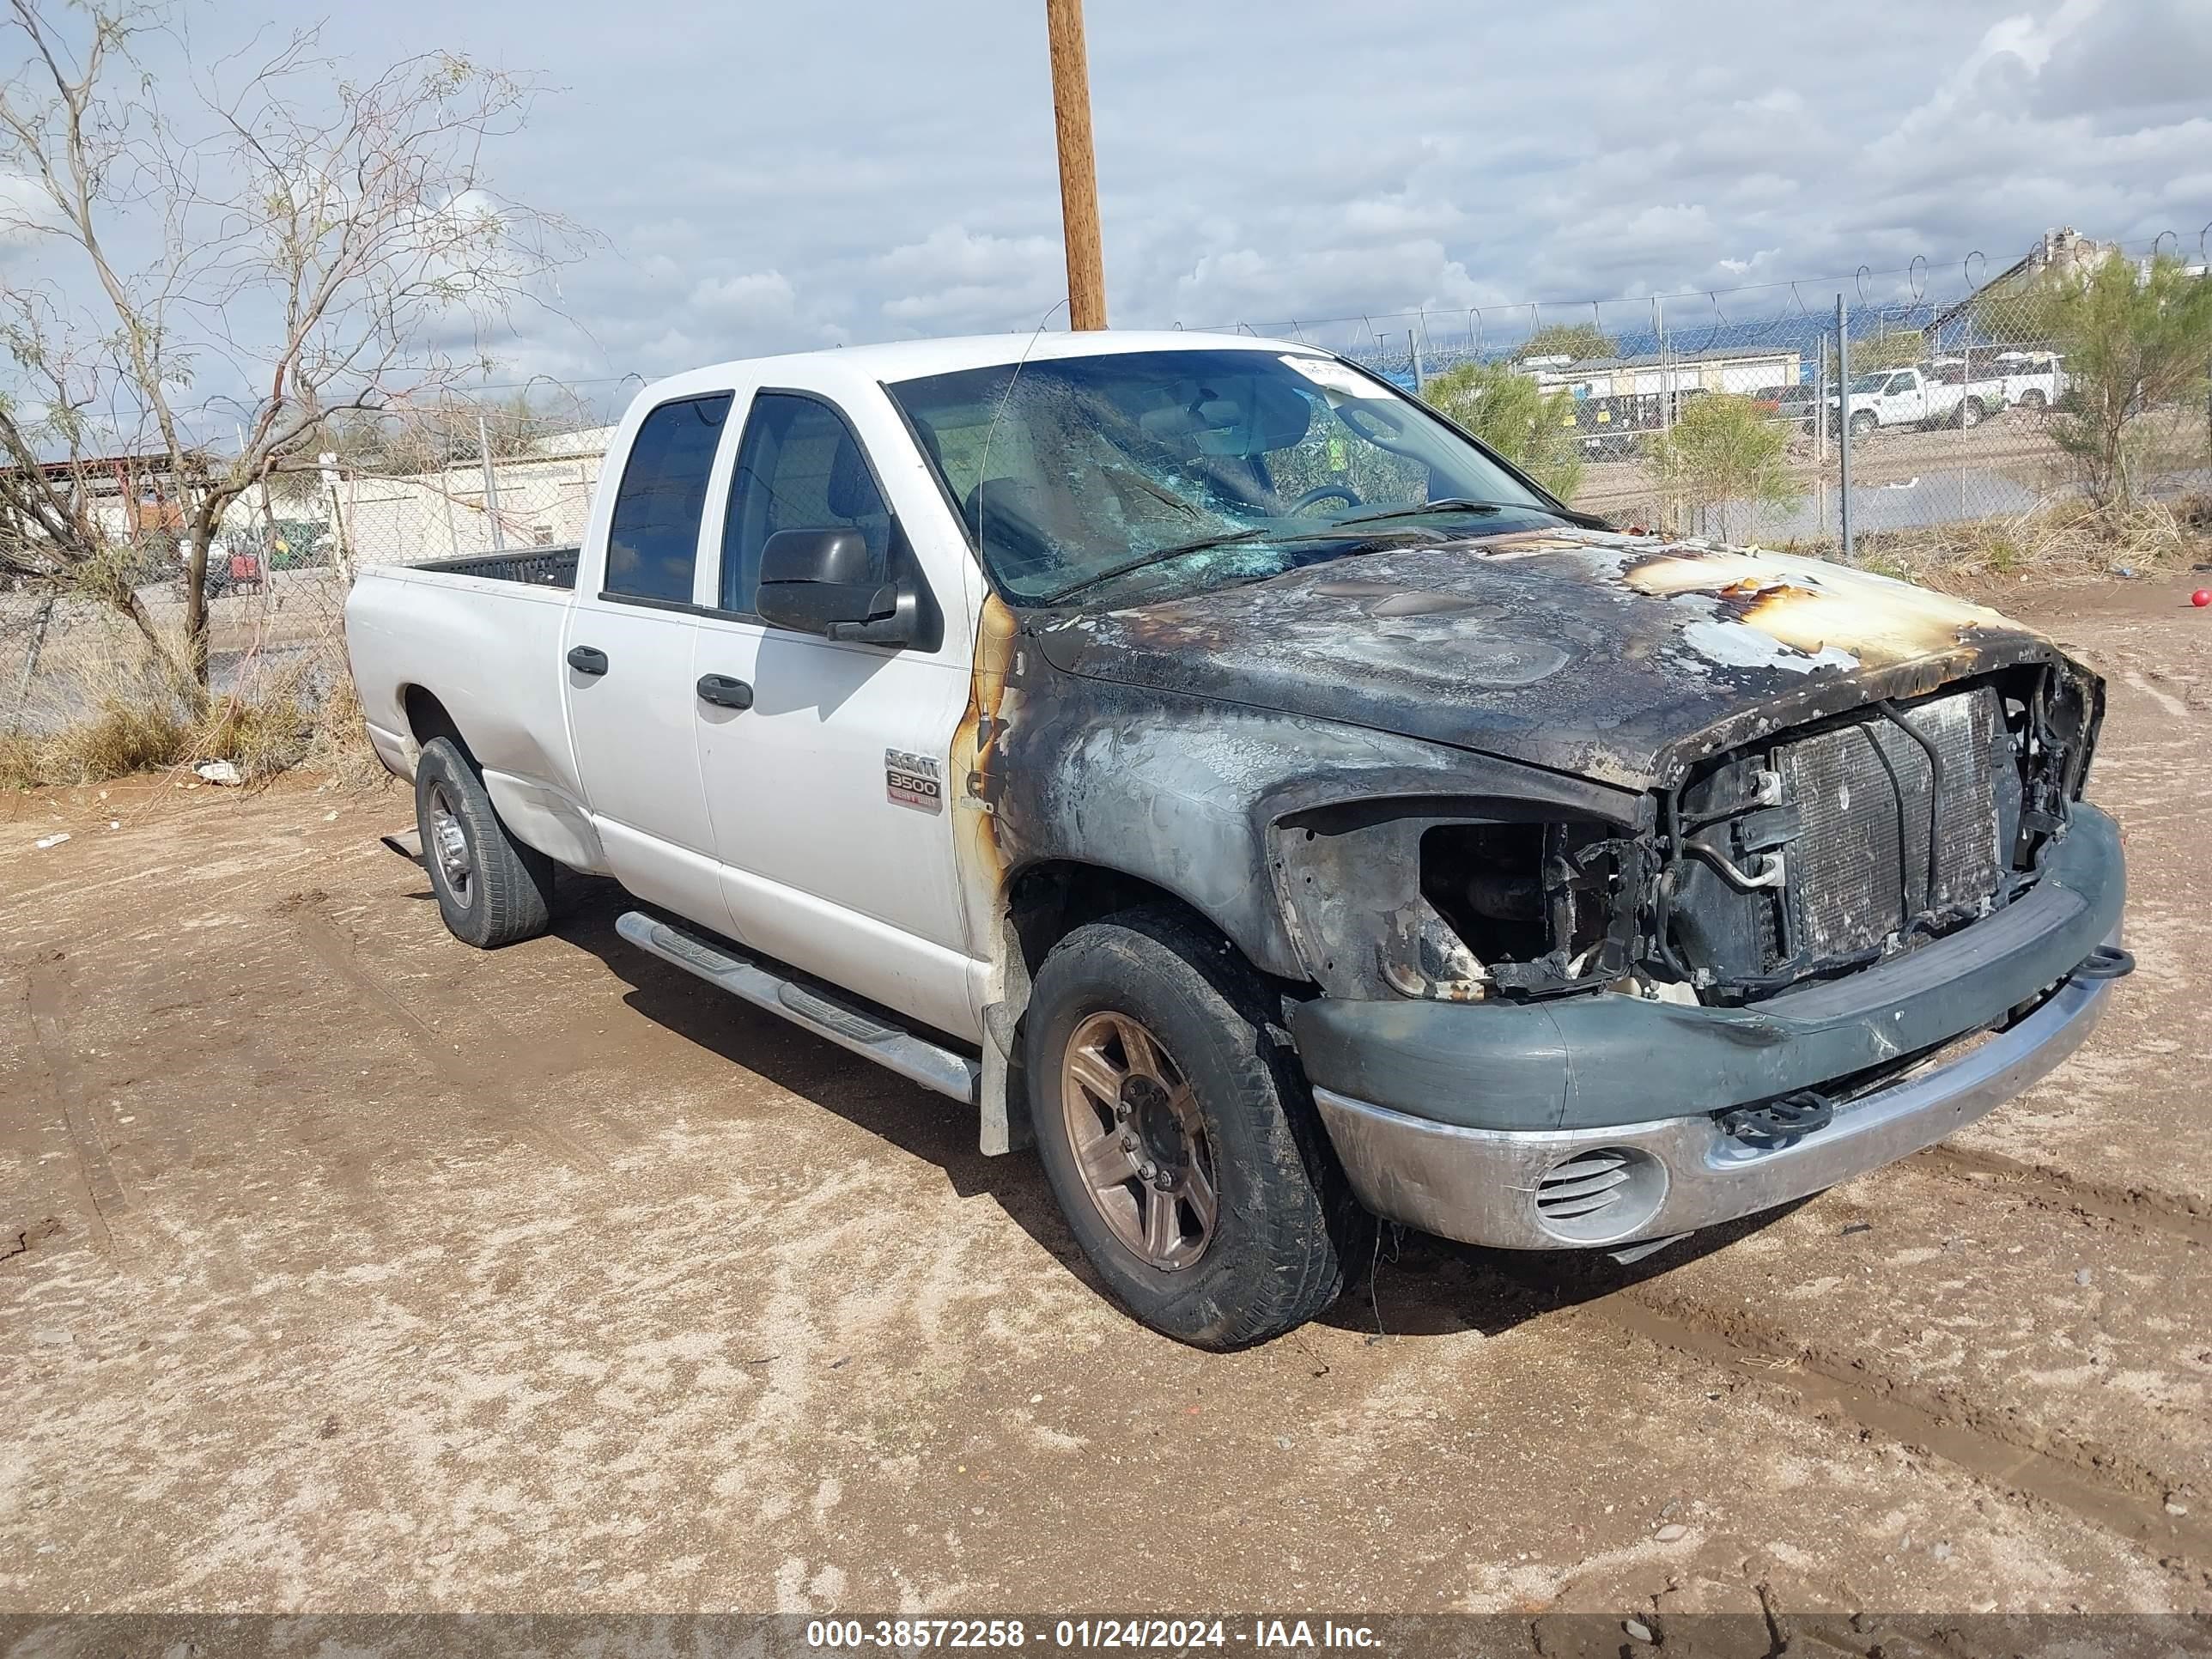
{"x": 1966, "y": 390}
{"x": 31, "y": 662}
{"x": 1843, "y": 420}
{"x": 341, "y": 554}
{"x": 1821, "y": 410}
{"x": 1413, "y": 346}
{"x": 491, "y": 485}
{"x": 446, "y": 495}
{"x": 1666, "y": 367}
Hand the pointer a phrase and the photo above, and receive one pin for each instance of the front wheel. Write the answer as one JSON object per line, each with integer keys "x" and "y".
{"x": 1179, "y": 1135}
{"x": 491, "y": 889}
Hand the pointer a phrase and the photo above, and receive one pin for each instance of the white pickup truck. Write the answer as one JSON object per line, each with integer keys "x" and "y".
{"x": 1917, "y": 397}
{"x": 2034, "y": 379}
{"x": 1209, "y": 763}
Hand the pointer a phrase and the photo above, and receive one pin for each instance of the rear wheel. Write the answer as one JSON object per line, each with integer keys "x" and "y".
{"x": 1179, "y": 1135}
{"x": 1862, "y": 423}
{"x": 491, "y": 889}
{"x": 2033, "y": 398}
{"x": 1970, "y": 412}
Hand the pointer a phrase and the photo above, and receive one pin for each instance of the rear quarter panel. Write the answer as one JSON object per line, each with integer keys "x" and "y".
{"x": 490, "y": 653}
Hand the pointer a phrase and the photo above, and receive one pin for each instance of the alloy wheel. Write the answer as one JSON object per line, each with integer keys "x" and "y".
{"x": 1141, "y": 1148}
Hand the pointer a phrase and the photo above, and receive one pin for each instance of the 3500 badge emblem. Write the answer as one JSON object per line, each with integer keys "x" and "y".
{"x": 913, "y": 780}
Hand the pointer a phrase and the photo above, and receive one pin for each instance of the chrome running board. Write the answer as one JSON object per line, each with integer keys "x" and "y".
{"x": 842, "y": 1022}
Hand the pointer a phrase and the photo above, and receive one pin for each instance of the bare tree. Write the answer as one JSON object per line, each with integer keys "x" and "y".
{"x": 267, "y": 248}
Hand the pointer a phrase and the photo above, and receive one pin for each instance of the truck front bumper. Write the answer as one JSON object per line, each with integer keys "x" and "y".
{"x": 1596, "y": 1121}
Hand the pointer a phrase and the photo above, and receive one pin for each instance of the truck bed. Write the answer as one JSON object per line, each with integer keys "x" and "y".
{"x": 541, "y": 566}
{"x": 484, "y": 636}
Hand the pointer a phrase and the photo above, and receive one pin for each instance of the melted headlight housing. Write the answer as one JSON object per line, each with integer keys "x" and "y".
{"x": 1452, "y": 903}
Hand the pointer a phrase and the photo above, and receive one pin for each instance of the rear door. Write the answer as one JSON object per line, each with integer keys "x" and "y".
{"x": 628, "y": 665}
{"x": 829, "y": 793}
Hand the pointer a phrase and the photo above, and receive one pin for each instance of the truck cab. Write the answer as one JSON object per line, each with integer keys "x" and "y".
{"x": 1217, "y": 770}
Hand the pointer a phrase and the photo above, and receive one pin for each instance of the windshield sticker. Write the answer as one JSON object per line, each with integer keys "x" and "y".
{"x": 912, "y": 780}
{"x": 1328, "y": 372}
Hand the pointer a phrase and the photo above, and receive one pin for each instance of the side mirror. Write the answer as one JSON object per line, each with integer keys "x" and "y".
{"x": 817, "y": 581}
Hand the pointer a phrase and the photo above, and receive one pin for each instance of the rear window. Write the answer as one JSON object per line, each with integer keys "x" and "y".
{"x": 653, "y": 545}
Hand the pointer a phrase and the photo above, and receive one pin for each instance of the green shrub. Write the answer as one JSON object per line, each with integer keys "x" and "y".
{"x": 1720, "y": 451}
{"x": 1513, "y": 415}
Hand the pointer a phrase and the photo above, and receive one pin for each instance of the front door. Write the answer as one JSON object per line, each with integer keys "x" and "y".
{"x": 828, "y": 793}
{"x": 631, "y": 692}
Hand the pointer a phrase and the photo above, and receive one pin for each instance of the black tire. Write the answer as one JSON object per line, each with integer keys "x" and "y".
{"x": 2032, "y": 400}
{"x": 496, "y": 891}
{"x": 1862, "y": 423}
{"x": 1286, "y": 1229}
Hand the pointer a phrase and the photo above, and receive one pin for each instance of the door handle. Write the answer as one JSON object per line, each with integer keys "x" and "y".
{"x": 724, "y": 692}
{"x": 587, "y": 659}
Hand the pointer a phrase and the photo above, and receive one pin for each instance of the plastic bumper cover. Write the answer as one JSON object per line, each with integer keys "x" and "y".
{"x": 1450, "y": 1117}
{"x": 1483, "y": 1185}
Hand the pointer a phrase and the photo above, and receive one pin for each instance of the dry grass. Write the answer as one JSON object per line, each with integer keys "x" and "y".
{"x": 20, "y": 761}
{"x": 287, "y": 705}
{"x": 127, "y": 735}
{"x": 2063, "y": 542}
{"x": 338, "y": 744}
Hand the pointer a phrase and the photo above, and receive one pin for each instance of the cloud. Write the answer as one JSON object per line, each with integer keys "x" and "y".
{"x": 757, "y": 298}
{"x": 777, "y": 178}
{"x": 959, "y": 280}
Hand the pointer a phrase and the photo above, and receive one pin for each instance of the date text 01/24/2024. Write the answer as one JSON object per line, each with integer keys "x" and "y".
{"x": 1172, "y": 1634}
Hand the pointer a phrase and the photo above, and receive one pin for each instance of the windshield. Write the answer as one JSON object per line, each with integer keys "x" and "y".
{"x": 1210, "y": 466}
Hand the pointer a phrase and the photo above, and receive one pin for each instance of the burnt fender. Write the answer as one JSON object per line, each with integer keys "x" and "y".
{"x": 1182, "y": 793}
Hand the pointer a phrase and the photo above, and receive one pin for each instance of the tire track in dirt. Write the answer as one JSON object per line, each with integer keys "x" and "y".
{"x": 2056, "y": 1189}
{"x": 484, "y": 1082}
{"x": 2022, "y": 1460}
{"x": 47, "y": 1001}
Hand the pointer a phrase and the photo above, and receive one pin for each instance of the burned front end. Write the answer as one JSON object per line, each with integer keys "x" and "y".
{"x": 1814, "y": 851}
{"x": 1827, "y": 849}
{"x": 1812, "y": 949}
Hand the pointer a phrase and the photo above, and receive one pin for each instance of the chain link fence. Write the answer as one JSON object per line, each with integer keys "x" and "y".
{"x": 1988, "y": 417}
{"x": 1984, "y": 420}
{"x": 278, "y": 571}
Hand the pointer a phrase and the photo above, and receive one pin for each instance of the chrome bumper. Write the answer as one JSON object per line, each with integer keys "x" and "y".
{"x": 1481, "y": 1186}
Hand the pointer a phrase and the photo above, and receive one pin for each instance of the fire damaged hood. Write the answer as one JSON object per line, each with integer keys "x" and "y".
{"x": 1622, "y": 658}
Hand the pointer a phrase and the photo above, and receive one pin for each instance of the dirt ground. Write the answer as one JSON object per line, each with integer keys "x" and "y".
{"x": 347, "y": 1268}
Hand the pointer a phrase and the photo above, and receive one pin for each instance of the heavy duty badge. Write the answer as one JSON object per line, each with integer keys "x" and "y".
{"x": 913, "y": 780}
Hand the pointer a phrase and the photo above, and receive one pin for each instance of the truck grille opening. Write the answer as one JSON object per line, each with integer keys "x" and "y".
{"x": 1825, "y": 848}
{"x": 1863, "y": 794}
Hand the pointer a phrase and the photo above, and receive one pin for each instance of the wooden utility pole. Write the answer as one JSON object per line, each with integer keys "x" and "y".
{"x": 1079, "y": 168}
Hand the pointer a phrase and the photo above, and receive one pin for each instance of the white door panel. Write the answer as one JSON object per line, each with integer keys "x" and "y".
{"x": 639, "y": 756}
{"x": 678, "y": 878}
{"x": 887, "y": 965}
{"x": 824, "y": 869}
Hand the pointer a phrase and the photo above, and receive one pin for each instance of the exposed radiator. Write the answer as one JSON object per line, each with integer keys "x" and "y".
{"x": 1859, "y": 870}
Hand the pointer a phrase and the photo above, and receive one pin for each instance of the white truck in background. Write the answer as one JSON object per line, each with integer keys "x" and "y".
{"x": 1920, "y": 396}
{"x": 2035, "y": 381}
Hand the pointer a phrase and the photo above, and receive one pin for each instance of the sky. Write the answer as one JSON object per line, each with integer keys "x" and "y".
{"x": 781, "y": 176}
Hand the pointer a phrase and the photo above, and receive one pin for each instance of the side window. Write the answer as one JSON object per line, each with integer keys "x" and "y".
{"x": 654, "y": 541}
{"x": 798, "y": 468}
